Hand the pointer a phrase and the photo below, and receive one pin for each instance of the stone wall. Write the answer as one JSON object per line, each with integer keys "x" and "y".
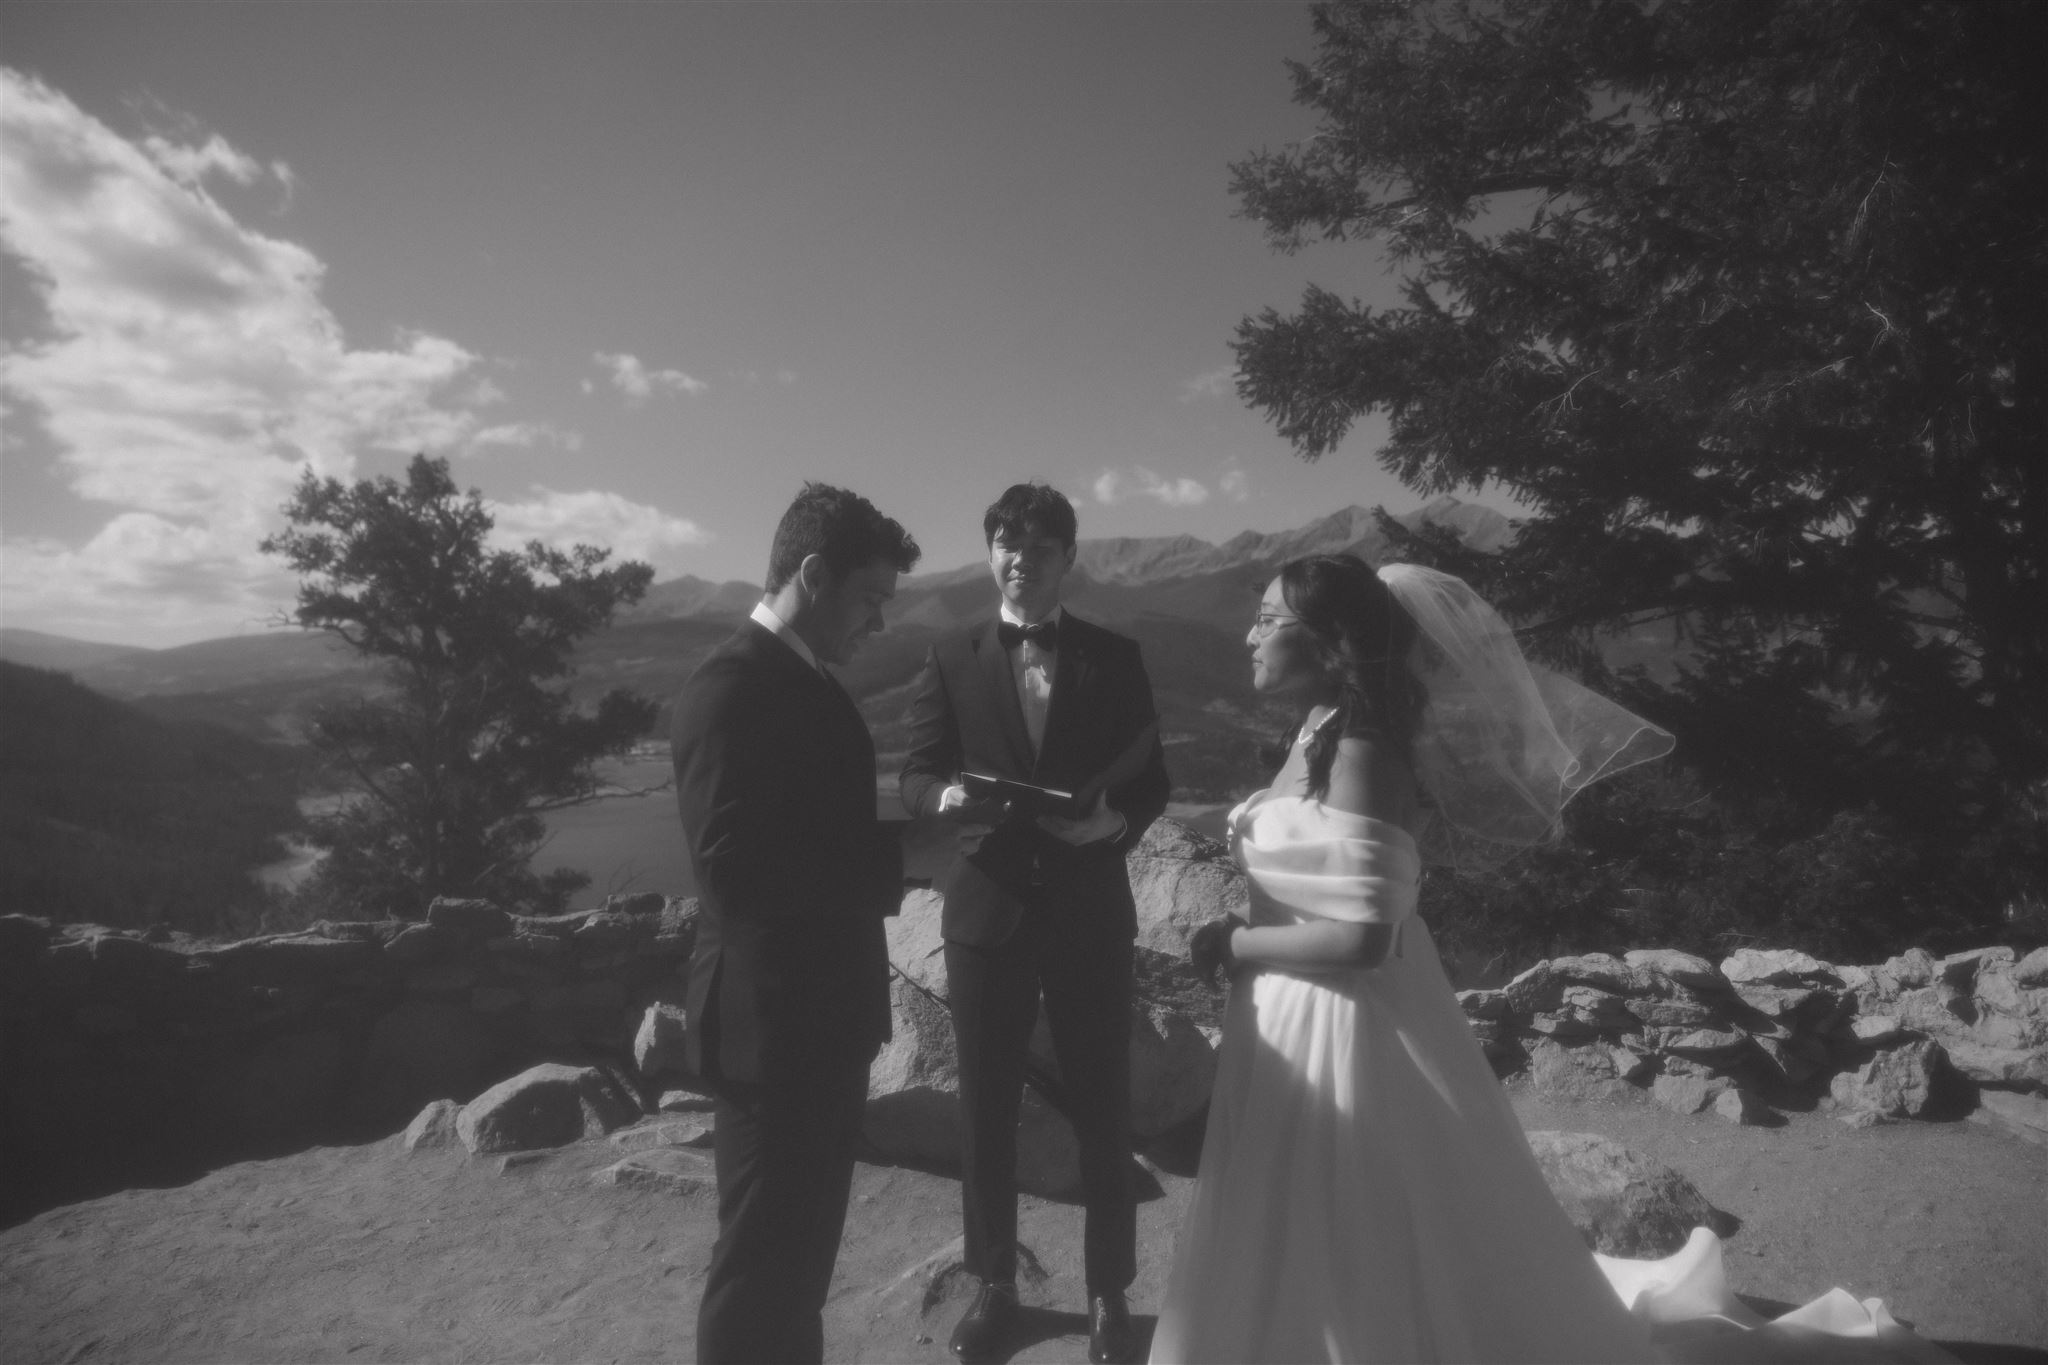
{"x": 132, "y": 1056}
{"x": 126, "y": 1056}
{"x": 1915, "y": 1036}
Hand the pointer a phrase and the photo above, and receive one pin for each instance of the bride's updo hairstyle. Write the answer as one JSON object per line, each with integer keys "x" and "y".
{"x": 1363, "y": 639}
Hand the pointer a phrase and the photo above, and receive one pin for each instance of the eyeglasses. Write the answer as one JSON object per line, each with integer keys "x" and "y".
{"x": 1266, "y": 622}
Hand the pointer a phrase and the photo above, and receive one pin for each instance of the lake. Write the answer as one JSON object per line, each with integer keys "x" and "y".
{"x": 635, "y": 843}
{"x": 631, "y": 843}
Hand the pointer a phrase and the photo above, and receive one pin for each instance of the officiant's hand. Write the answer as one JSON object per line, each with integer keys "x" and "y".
{"x": 971, "y": 819}
{"x": 1098, "y": 824}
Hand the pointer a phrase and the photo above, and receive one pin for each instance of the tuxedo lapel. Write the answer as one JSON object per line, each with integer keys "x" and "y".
{"x": 1001, "y": 687}
{"x": 1073, "y": 667}
{"x": 828, "y": 696}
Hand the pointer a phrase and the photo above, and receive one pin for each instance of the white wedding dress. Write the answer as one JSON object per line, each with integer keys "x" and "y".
{"x": 1365, "y": 1191}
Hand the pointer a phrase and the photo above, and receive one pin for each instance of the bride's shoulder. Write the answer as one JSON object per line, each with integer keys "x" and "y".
{"x": 1372, "y": 778}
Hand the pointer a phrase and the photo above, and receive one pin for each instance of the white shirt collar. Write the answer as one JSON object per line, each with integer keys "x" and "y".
{"x": 764, "y": 616}
{"x": 1011, "y": 614}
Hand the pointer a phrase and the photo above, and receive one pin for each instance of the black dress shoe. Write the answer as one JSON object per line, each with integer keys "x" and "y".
{"x": 980, "y": 1336}
{"x": 1110, "y": 1338}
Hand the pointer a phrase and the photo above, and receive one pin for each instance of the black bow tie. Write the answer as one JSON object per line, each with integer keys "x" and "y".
{"x": 1046, "y": 634}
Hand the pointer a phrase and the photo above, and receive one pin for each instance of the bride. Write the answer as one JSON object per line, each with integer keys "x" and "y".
{"x": 1365, "y": 1191}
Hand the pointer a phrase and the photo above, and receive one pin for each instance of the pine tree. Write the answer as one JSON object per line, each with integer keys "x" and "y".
{"x": 449, "y": 770}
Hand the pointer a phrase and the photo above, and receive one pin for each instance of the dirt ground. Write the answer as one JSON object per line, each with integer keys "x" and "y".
{"x": 370, "y": 1254}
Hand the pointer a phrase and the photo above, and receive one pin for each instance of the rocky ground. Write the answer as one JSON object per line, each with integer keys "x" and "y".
{"x": 370, "y": 1253}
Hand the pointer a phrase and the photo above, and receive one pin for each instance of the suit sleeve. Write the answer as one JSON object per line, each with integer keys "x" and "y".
{"x": 733, "y": 773}
{"x": 1141, "y": 799}
{"x": 933, "y": 762}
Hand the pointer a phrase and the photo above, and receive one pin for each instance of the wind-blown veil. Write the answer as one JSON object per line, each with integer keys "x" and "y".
{"x": 1503, "y": 743}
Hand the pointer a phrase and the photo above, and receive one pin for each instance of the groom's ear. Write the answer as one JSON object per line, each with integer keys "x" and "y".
{"x": 814, "y": 575}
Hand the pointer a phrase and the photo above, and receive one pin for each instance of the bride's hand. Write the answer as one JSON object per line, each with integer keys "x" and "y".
{"x": 1209, "y": 948}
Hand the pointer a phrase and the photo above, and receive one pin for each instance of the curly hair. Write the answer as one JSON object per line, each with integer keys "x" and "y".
{"x": 1364, "y": 639}
{"x": 843, "y": 527}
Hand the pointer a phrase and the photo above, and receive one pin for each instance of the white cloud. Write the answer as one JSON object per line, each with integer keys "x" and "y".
{"x": 190, "y": 372}
{"x": 630, "y": 530}
{"x": 1114, "y": 486}
{"x": 637, "y": 382}
{"x": 1235, "y": 484}
{"x": 1214, "y": 384}
{"x": 188, "y": 165}
{"x": 527, "y": 435}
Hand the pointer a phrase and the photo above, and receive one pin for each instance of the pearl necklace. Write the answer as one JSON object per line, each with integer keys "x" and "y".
{"x": 1309, "y": 732}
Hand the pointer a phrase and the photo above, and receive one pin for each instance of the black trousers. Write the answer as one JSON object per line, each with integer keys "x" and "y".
{"x": 1086, "y": 984}
{"x": 784, "y": 1154}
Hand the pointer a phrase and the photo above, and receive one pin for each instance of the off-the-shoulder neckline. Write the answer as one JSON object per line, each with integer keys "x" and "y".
{"x": 1264, "y": 796}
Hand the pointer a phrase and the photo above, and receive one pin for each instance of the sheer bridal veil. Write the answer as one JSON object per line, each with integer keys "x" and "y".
{"x": 1503, "y": 743}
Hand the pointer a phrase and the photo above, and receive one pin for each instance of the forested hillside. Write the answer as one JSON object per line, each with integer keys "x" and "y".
{"x": 116, "y": 817}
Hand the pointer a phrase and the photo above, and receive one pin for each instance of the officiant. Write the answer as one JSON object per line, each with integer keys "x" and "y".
{"x": 1039, "y": 905}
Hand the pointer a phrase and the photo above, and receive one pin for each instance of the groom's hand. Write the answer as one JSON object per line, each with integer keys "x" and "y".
{"x": 1099, "y": 823}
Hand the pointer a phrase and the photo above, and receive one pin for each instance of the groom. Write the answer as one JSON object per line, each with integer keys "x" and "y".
{"x": 788, "y": 996}
{"x": 1040, "y": 905}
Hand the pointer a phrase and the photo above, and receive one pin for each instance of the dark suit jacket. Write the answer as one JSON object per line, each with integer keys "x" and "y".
{"x": 775, "y": 779}
{"x": 967, "y": 715}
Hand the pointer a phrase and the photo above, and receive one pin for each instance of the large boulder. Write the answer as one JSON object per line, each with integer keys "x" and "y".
{"x": 1899, "y": 1082}
{"x": 1593, "y": 1071}
{"x": 913, "y": 1110}
{"x": 1622, "y": 1203}
{"x": 1536, "y": 990}
{"x": 1181, "y": 880}
{"x": 1684, "y": 968}
{"x": 658, "y": 1042}
{"x": 914, "y": 1084}
{"x": 548, "y": 1105}
{"x": 917, "y": 949}
{"x": 1173, "y": 1068}
{"x": 1683, "y": 1094}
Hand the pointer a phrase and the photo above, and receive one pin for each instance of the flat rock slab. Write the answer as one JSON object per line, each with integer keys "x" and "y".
{"x": 690, "y": 1131}
{"x": 670, "y": 1170}
{"x": 2023, "y": 1116}
{"x": 1622, "y": 1203}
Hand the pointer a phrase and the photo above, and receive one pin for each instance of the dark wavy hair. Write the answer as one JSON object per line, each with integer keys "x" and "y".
{"x": 1028, "y": 508}
{"x": 1364, "y": 638}
{"x": 843, "y": 527}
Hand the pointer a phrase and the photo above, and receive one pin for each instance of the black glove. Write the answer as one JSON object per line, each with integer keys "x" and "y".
{"x": 1209, "y": 948}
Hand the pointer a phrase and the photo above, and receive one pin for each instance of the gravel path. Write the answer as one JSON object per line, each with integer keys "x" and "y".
{"x": 368, "y": 1254}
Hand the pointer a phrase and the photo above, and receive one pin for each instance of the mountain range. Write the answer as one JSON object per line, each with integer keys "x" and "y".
{"x": 1186, "y": 601}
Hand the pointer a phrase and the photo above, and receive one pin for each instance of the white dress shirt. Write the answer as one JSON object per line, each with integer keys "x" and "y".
{"x": 764, "y": 615}
{"x": 1033, "y": 667}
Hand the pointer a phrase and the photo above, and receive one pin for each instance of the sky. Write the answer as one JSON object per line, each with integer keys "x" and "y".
{"x": 637, "y": 270}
